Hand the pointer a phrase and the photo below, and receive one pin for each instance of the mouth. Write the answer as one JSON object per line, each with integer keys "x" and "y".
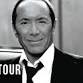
{"x": 34, "y": 41}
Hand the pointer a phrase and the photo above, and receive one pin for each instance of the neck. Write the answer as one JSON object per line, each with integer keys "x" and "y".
{"x": 31, "y": 58}
{"x": 34, "y": 57}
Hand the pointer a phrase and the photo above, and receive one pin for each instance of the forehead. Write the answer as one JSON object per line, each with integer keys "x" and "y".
{"x": 32, "y": 8}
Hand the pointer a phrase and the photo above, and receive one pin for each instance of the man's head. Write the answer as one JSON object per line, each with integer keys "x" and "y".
{"x": 34, "y": 21}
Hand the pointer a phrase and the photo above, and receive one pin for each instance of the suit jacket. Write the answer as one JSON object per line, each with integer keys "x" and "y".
{"x": 66, "y": 69}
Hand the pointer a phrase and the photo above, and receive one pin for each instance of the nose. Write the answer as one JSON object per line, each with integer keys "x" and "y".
{"x": 34, "y": 29}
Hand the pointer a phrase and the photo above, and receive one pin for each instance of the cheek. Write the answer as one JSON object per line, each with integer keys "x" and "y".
{"x": 47, "y": 36}
{"x": 46, "y": 31}
{"x": 22, "y": 31}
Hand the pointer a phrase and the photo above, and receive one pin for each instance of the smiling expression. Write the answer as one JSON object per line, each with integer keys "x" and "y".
{"x": 34, "y": 26}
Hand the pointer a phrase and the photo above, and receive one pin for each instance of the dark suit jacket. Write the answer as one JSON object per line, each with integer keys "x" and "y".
{"x": 66, "y": 69}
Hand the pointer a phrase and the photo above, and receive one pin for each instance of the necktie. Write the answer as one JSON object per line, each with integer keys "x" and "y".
{"x": 31, "y": 71}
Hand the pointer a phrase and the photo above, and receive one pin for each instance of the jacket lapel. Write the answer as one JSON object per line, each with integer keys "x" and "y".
{"x": 65, "y": 68}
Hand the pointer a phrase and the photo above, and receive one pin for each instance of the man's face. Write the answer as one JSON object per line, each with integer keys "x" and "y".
{"x": 34, "y": 27}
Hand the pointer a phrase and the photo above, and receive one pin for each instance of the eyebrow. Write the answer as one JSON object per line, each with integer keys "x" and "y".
{"x": 42, "y": 18}
{"x": 24, "y": 19}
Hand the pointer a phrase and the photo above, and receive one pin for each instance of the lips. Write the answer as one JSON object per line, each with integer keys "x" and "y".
{"x": 34, "y": 40}
{"x": 35, "y": 43}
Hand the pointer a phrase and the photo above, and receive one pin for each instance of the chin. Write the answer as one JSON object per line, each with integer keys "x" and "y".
{"x": 36, "y": 50}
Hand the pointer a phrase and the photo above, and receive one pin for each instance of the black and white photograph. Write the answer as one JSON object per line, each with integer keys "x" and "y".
{"x": 41, "y": 41}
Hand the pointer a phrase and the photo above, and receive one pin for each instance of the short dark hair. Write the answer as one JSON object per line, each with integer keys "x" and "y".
{"x": 14, "y": 15}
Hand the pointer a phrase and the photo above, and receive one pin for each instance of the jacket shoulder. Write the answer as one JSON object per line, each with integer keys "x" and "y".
{"x": 69, "y": 56}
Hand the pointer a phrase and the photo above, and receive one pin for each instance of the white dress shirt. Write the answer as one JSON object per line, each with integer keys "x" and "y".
{"x": 44, "y": 74}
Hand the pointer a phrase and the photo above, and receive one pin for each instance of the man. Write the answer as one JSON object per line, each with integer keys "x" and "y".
{"x": 34, "y": 24}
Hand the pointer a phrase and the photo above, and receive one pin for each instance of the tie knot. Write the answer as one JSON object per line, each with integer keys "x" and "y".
{"x": 24, "y": 62}
{"x": 30, "y": 70}
{"x": 40, "y": 65}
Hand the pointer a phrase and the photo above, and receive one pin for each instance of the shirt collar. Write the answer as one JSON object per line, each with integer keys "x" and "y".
{"x": 46, "y": 58}
{"x": 23, "y": 56}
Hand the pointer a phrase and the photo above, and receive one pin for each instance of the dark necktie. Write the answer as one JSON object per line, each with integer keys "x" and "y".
{"x": 31, "y": 71}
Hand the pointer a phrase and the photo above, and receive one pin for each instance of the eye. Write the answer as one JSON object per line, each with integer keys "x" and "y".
{"x": 42, "y": 21}
{"x": 23, "y": 22}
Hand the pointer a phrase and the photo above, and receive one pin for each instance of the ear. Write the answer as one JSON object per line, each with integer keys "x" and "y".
{"x": 15, "y": 32}
{"x": 50, "y": 0}
{"x": 16, "y": 35}
{"x": 54, "y": 25}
